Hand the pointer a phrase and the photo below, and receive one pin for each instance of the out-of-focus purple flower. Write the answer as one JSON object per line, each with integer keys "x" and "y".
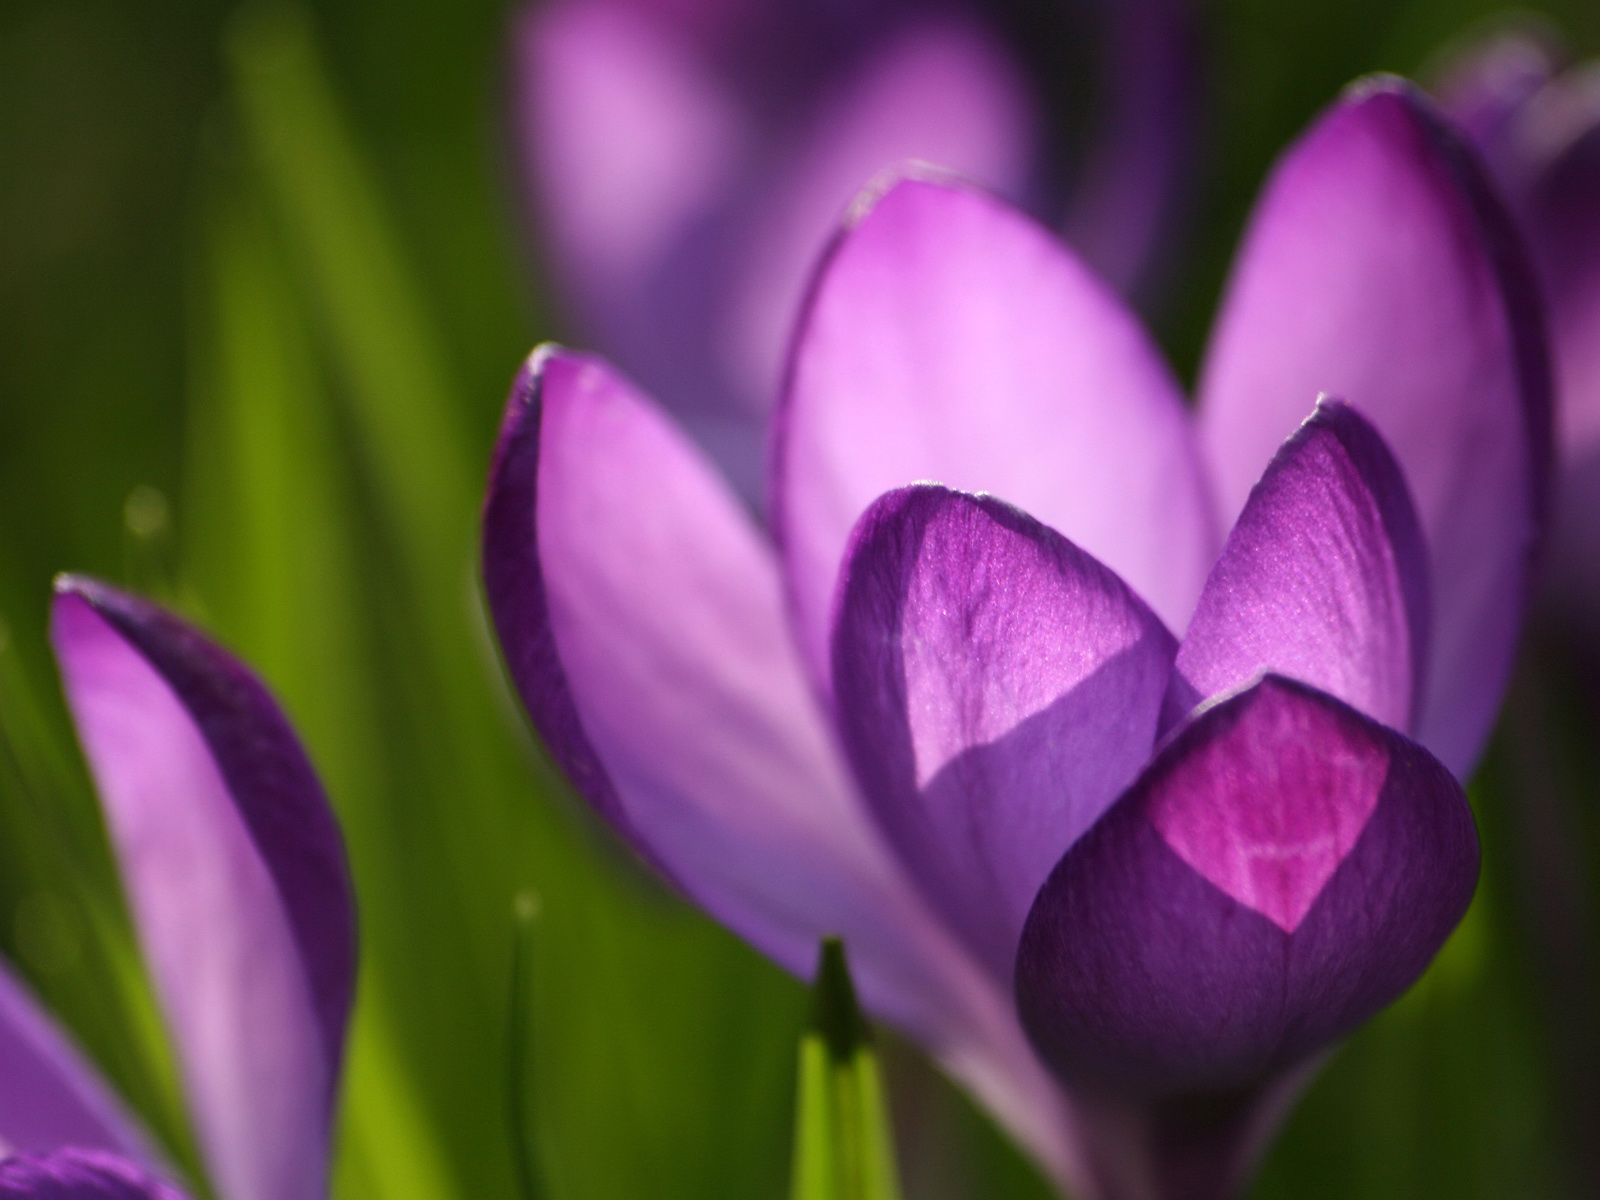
{"x": 236, "y": 880}
{"x": 1539, "y": 129}
{"x": 76, "y": 1174}
{"x": 687, "y": 159}
{"x": 1071, "y": 741}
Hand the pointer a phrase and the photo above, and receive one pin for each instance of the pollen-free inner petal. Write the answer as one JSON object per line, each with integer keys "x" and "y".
{"x": 997, "y": 688}
{"x": 1378, "y": 267}
{"x": 1324, "y": 578}
{"x": 949, "y": 338}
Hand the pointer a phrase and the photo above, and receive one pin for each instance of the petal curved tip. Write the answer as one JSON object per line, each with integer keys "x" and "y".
{"x": 949, "y": 336}
{"x": 1324, "y": 578}
{"x": 996, "y": 688}
{"x": 1427, "y": 317}
{"x": 236, "y": 877}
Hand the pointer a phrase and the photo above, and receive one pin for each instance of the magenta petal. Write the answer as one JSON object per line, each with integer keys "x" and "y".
{"x": 76, "y": 1173}
{"x": 1283, "y": 869}
{"x": 236, "y": 877}
{"x": 49, "y": 1095}
{"x": 640, "y": 613}
{"x": 1378, "y": 267}
{"x": 996, "y": 689}
{"x": 949, "y": 338}
{"x": 1324, "y": 579}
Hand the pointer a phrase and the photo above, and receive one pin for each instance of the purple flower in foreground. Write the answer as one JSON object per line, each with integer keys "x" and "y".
{"x": 1177, "y": 801}
{"x": 688, "y": 158}
{"x": 236, "y": 880}
{"x": 1539, "y": 129}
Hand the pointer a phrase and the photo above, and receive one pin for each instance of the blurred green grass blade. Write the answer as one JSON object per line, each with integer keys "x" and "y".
{"x": 843, "y": 1147}
{"x": 522, "y": 1114}
{"x": 384, "y": 345}
{"x": 272, "y": 563}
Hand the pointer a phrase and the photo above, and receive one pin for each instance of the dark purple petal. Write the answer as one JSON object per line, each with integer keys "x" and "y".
{"x": 49, "y": 1095}
{"x": 640, "y": 613}
{"x": 949, "y": 338}
{"x": 1283, "y": 869}
{"x": 236, "y": 878}
{"x": 1131, "y": 191}
{"x": 1324, "y": 579}
{"x": 75, "y": 1173}
{"x": 1380, "y": 268}
{"x": 996, "y": 689}
{"x": 1560, "y": 208}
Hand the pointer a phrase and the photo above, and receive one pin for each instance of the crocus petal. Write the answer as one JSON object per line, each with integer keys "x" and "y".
{"x": 1131, "y": 189}
{"x": 629, "y": 137}
{"x": 1561, "y": 213}
{"x": 949, "y": 338}
{"x": 1486, "y": 87}
{"x": 640, "y": 613}
{"x": 943, "y": 90}
{"x": 1379, "y": 267}
{"x": 1283, "y": 869}
{"x": 996, "y": 688}
{"x": 76, "y": 1173}
{"x": 236, "y": 879}
{"x": 1324, "y": 579}
{"x": 49, "y": 1095}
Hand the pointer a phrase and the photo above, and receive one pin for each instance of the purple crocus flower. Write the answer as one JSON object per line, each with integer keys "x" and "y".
{"x": 1539, "y": 129}
{"x": 1123, "y": 819}
{"x": 688, "y": 158}
{"x": 237, "y": 883}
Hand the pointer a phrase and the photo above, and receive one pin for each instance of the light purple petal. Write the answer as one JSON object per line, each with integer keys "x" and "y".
{"x": 942, "y": 90}
{"x": 1324, "y": 579}
{"x": 77, "y": 1173}
{"x": 49, "y": 1094}
{"x": 1284, "y": 869}
{"x": 640, "y": 613}
{"x": 629, "y": 137}
{"x": 1378, "y": 267}
{"x": 236, "y": 879}
{"x": 949, "y": 338}
{"x": 996, "y": 689}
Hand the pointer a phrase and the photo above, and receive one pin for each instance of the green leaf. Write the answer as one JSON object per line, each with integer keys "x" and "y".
{"x": 843, "y": 1146}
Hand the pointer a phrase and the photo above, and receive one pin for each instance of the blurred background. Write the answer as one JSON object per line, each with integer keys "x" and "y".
{"x": 264, "y": 281}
